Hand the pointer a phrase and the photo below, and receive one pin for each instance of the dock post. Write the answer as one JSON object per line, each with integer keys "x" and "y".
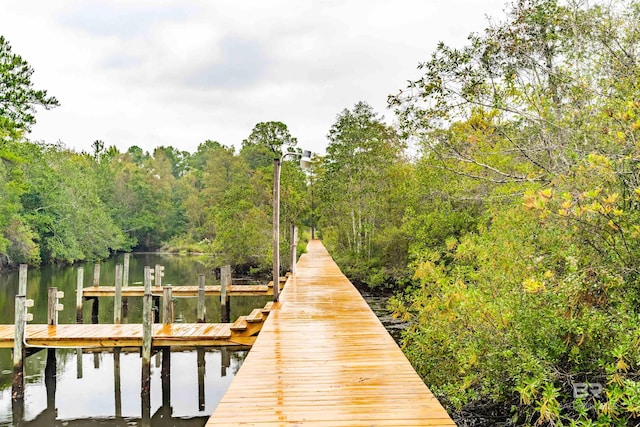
{"x": 146, "y": 342}
{"x": 50, "y": 374}
{"x": 167, "y": 305}
{"x": 79, "y": 296}
{"x": 96, "y": 274}
{"x": 78, "y": 363}
{"x": 52, "y": 314}
{"x": 53, "y": 307}
{"x": 125, "y": 272}
{"x": 225, "y": 361}
{"x": 117, "y": 388}
{"x": 201, "y": 370}
{"x": 293, "y": 257}
{"x": 117, "y": 300}
{"x": 225, "y": 281}
{"x": 165, "y": 377}
{"x": 125, "y": 283}
{"x": 17, "y": 385}
{"x": 158, "y": 273}
{"x": 95, "y": 307}
{"x": 202, "y": 311}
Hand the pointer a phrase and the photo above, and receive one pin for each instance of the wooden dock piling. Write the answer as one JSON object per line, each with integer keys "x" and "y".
{"x": 201, "y": 371}
{"x": 293, "y": 248}
{"x": 125, "y": 283}
{"x": 79, "y": 298}
{"x": 53, "y": 307}
{"x": 117, "y": 382}
{"x": 125, "y": 272}
{"x": 117, "y": 300}
{"x": 17, "y": 385}
{"x": 167, "y": 305}
{"x": 146, "y": 337}
{"x": 146, "y": 342}
{"x": 202, "y": 311}
{"x": 95, "y": 307}
{"x": 225, "y": 282}
{"x": 96, "y": 274}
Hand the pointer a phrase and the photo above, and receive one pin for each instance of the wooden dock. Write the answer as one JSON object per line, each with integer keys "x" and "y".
{"x": 324, "y": 359}
{"x": 242, "y": 332}
{"x": 180, "y": 291}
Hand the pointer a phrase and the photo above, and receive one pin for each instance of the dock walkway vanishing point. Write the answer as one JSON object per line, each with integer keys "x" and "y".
{"x": 323, "y": 358}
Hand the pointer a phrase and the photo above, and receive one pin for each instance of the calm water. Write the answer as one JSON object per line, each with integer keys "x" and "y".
{"x": 104, "y": 388}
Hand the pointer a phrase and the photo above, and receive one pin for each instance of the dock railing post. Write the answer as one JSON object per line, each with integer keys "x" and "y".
{"x": 167, "y": 305}
{"x": 158, "y": 273}
{"x": 117, "y": 300}
{"x": 53, "y": 306}
{"x": 79, "y": 297}
{"x": 96, "y": 274}
{"x": 201, "y": 372}
{"x": 202, "y": 311}
{"x": 225, "y": 281}
{"x": 146, "y": 339}
{"x": 125, "y": 283}
{"x": 17, "y": 389}
{"x": 17, "y": 385}
{"x": 125, "y": 272}
{"x": 95, "y": 306}
{"x": 117, "y": 387}
{"x": 293, "y": 257}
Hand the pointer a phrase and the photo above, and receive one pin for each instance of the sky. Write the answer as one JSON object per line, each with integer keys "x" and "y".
{"x": 180, "y": 72}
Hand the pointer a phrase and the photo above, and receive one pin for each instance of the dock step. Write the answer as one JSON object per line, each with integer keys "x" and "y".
{"x": 255, "y": 316}
{"x": 267, "y": 307}
{"x": 282, "y": 281}
{"x": 240, "y": 324}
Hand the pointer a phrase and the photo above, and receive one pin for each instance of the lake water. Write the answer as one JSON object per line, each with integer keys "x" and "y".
{"x": 103, "y": 388}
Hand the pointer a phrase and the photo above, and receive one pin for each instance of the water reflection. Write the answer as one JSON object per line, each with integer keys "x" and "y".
{"x": 90, "y": 388}
{"x": 104, "y": 388}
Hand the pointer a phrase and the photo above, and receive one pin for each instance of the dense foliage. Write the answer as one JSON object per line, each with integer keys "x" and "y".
{"x": 526, "y": 265}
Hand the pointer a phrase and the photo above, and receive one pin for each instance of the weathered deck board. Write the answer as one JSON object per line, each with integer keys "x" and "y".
{"x": 324, "y": 359}
{"x": 179, "y": 291}
{"x": 126, "y": 335}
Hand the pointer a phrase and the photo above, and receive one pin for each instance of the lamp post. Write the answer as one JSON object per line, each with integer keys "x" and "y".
{"x": 305, "y": 161}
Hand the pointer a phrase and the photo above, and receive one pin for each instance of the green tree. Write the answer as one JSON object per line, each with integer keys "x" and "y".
{"x": 18, "y": 98}
{"x": 266, "y": 140}
{"x": 359, "y": 183}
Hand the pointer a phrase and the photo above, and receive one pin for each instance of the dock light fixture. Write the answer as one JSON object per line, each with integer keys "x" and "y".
{"x": 305, "y": 162}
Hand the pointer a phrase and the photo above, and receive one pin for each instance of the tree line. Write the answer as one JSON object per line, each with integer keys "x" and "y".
{"x": 503, "y": 210}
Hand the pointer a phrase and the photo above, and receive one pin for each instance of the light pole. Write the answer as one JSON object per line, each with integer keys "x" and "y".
{"x": 305, "y": 161}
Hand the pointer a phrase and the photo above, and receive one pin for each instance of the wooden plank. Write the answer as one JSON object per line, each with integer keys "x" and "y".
{"x": 255, "y": 316}
{"x": 240, "y": 324}
{"x": 268, "y": 307}
{"x": 311, "y": 367}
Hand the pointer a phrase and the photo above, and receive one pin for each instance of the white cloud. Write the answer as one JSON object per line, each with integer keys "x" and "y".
{"x": 149, "y": 73}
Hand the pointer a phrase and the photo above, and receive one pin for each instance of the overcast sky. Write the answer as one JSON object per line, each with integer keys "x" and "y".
{"x": 177, "y": 73}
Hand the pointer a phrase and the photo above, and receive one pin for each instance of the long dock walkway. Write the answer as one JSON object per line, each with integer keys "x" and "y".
{"x": 323, "y": 358}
